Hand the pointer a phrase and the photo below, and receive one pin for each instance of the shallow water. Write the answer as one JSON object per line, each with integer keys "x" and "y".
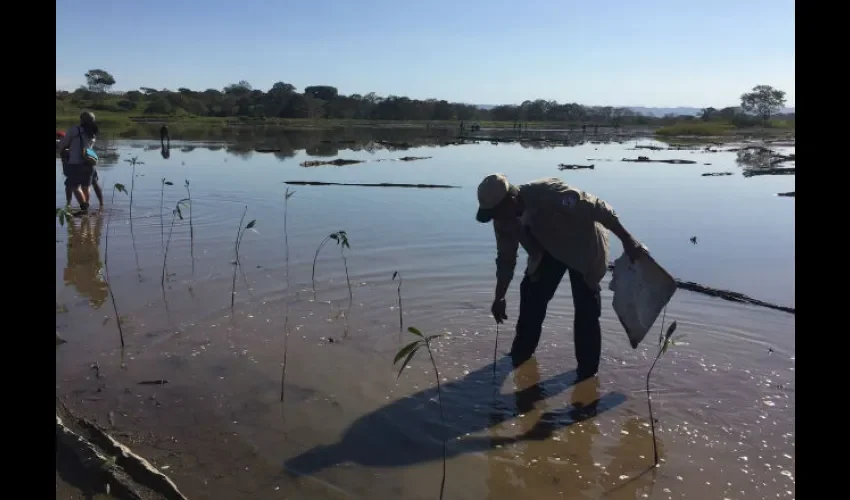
{"x": 725, "y": 400}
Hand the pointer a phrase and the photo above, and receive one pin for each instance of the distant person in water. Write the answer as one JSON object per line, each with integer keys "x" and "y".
{"x": 163, "y": 135}
{"x": 80, "y": 177}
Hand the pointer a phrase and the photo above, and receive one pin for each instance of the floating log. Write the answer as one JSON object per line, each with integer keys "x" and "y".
{"x": 406, "y": 158}
{"x": 769, "y": 171}
{"x": 381, "y": 184}
{"x": 725, "y": 295}
{"x": 716, "y": 174}
{"x": 645, "y": 159}
{"x": 790, "y": 194}
{"x": 339, "y": 162}
{"x": 564, "y": 166}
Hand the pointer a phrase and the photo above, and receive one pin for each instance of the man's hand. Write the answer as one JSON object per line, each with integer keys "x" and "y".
{"x": 498, "y": 310}
{"x": 634, "y": 249}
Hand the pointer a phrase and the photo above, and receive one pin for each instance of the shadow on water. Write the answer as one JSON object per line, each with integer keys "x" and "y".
{"x": 84, "y": 266}
{"x": 384, "y": 438}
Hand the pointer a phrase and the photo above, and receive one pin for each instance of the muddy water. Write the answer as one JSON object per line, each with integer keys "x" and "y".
{"x": 349, "y": 428}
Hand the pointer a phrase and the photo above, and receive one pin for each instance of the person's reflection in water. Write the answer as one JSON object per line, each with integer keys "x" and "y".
{"x": 83, "y": 269}
{"x": 165, "y": 151}
{"x": 557, "y": 460}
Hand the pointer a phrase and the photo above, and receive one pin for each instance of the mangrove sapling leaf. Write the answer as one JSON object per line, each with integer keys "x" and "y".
{"x": 407, "y": 352}
{"x": 397, "y": 274}
{"x": 120, "y": 188}
{"x": 63, "y": 215}
{"x": 665, "y": 343}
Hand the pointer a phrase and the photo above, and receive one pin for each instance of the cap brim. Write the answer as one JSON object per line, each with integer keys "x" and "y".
{"x": 484, "y": 215}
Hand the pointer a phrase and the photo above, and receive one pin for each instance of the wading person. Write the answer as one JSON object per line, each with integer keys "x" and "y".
{"x": 563, "y": 230}
{"x": 80, "y": 176}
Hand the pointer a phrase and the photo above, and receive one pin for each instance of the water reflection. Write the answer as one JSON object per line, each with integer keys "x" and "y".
{"x": 564, "y": 462}
{"x": 286, "y": 143}
{"x": 83, "y": 267}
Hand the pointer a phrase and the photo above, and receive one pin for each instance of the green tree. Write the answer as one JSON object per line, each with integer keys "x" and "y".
{"x": 763, "y": 101}
{"x": 99, "y": 81}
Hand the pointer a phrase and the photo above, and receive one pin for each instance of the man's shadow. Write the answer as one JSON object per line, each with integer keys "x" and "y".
{"x": 409, "y": 431}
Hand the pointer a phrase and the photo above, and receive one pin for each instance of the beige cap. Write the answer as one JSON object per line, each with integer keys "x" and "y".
{"x": 491, "y": 192}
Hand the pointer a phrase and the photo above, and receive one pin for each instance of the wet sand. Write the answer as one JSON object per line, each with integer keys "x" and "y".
{"x": 349, "y": 428}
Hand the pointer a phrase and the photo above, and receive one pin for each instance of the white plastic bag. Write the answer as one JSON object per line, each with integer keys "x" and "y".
{"x": 641, "y": 290}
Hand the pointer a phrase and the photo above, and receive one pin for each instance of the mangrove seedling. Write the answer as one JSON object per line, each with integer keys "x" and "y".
{"x": 397, "y": 274}
{"x": 134, "y": 161}
{"x": 63, "y": 214}
{"x": 665, "y": 342}
{"x": 495, "y": 349}
{"x": 161, "y": 199}
{"x": 286, "y": 198}
{"x": 177, "y": 212}
{"x": 341, "y": 238}
{"x": 406, "y": 354}
{"x": 119, "y": 188}
{"x": 239, "y": 233}
{"x": 191, "y": 226}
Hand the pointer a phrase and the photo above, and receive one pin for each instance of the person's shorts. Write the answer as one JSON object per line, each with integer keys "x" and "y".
{"x": 79, "y": 175}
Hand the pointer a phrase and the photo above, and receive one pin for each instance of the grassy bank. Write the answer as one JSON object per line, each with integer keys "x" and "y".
{"x": 119, "y": 122}
{"x": 695, "y": 128}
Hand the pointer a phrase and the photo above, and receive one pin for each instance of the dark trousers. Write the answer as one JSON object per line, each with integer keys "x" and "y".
{"x": 535, "y": 294}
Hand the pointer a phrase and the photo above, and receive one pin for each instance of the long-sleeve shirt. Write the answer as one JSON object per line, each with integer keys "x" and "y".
{"x": 569, "y": 224}
{"x": 72, "y": 142}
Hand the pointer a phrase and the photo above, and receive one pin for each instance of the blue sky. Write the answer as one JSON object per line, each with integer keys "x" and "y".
{"x": 617, "y": 52}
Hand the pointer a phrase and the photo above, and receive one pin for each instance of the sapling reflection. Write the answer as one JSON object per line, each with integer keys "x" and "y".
{"x": 405, "y": 354}
{"x": 239, "y": 233}
{"x": 665, "y": 342}
{"x": 119, "y": 188}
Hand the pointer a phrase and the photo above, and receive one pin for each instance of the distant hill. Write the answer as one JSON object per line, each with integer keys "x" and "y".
{"x": 659, "y": 112}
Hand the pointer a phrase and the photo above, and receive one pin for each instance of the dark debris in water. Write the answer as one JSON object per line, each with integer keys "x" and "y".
{"x": 646, "y": 159}
{"x": 564, "y": 166}
{"x": 716, "y": 174}
{"x": 153, "y": 382}
{"x": 339, "y": 162}
{"x": 381, "y": 184}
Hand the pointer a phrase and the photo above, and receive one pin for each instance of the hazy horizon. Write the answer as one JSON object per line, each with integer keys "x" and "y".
{"x": 659, "y": 53}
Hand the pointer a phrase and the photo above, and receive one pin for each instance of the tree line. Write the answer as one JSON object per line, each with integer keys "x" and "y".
{"x": 283, "y": 100}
